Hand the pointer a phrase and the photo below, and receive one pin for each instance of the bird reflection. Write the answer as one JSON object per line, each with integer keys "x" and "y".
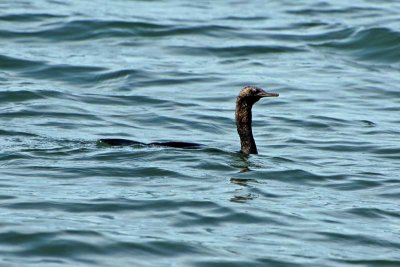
{"x": 242, "y": 181}
{"x": 242, "y": 199}
{"x": 242, "y": 163}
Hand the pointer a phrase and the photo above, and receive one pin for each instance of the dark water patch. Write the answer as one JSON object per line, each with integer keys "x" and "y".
{"x": 331, "y": 10}
{"x": 373, "y": 44}
{"x": 376, "y": 261}
{"x": 61, "y": 248}
{"x": 300, "y": 177}
{"x": 89, "y": 252}
{"x": 113, "y": 205}
{"x": 390, "y": 195}
{"x": 114, "y": 155}
{"x": 267, "y": 193}
{"x": 104, "y": 170}
{"x": 311, "y": 124}
{"x": 10, "y": 132}
{"x": 253, "y": 50}
{"x": 357, "y": 240}
{"x": 308, "y": 25}
{"x": 386, "y": 152}
{"x": 52, "y": 151}
{"x": 20, "y": 96}
{"x": 79, "y": 30}
{"x": 354, "y": 184}
{"x": 5, "y": 186}
{"x": 229, "y": 263}
{"x": 17, "y": 238}
{"x": 212, "y": 165}
{"x": 124, "y": 100}
{"x": 12, "y": 63}
{"x": 205, "y": 30}
{"x": 11, "y": 158}
{"x": 244, "y": 18}
{"x": 167, "y": 248}
{"x": 234, "y": 51}
{"x": 381, "y": 132}
{"x": 65, "y": 73}
{"x": 30, "y": 17}
{"x": 393, "y": 108}
{"x": 371, "y": 174}
{"x": 295, "y": 141}
{"x": 209, "y": 150}
{"x": 29, "y": 113}
{"x": 279, "y": 263}
{"x": 175, "y": 81}
{"x": 191, "y": 219}
{"x": 368, "y": 123}
{"x": 332, "y": 121}
{"x": 342, "y": 147}
{"x": 6, "y": 197}
{"x": 124, "y": 73}
{"x": 373, "y": 213}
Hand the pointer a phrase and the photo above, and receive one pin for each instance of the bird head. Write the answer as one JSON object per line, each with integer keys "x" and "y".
{"x": 251, "y": 94}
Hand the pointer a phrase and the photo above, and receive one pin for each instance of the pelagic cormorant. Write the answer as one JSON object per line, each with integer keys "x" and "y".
{"x": 247, "y": 97}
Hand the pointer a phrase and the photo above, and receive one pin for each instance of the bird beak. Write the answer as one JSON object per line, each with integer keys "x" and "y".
{"x": 266, "y": 94}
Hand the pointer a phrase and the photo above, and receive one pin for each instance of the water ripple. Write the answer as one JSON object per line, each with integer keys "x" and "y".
{"x": 373, "y": 44}
{"x": 323, "y": 190}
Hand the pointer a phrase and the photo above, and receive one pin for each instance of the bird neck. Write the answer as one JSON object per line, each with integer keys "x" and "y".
{"x": 243, "y": 124}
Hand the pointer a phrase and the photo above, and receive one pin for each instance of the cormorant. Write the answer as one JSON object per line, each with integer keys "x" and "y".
{"x": 247, "y": 97}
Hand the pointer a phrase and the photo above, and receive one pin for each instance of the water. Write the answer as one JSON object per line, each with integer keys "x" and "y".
{"x": 323, "y": 191}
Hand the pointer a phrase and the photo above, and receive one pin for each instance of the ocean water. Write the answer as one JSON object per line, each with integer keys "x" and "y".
{"x": 324, "y": 189}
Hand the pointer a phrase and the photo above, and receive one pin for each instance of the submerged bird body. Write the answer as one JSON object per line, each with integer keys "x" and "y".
{"x": 247, "y": 97}
{"x": 126, "y": 142}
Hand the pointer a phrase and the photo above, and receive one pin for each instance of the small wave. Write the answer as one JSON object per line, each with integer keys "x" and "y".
{"x": 244, "y": 18}
{"x": 74, "y": 74}
{"x": 12, "y": 63}
{"x": 324, "y": 35}
{"x": 231, "y": 51}
{"x": 114, "y": 205}
{"x": 302, "y": 177}
{"x": 358, "y": 239}
{"x": 73, "y": 247}
{"x": 67, "y": 73}
{"x": 387, "y": 152}
{"x": 30, "y": 17}
{"x": 325, "y": 8}
{"x": 117, "y": 74}
{"x": 19, "y": 96}
{"x": 79, "y": 30}
{"x": 316, "y": 125}
{"x": 354, "y": 184}
{"x": 375, "y": 44}
{"x": 375, "y": 261}
{"x": 84, "y": 29}
{"x": 373, "y": 213}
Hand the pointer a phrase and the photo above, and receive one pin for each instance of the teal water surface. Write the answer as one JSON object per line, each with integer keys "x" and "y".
{"x": 323, "y": 190}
